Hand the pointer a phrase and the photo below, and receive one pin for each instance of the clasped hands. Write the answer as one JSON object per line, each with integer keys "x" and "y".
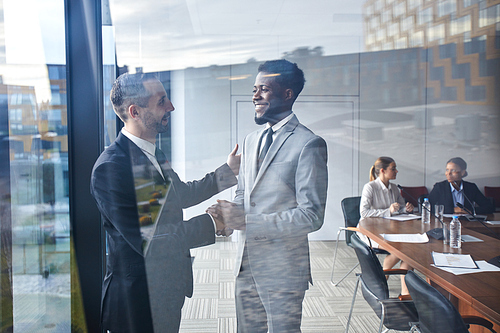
{"x": 395, "y": 207}
{"x": 228, "y": 216}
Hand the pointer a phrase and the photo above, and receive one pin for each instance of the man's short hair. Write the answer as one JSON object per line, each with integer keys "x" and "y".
{"x": 128, "y": 89}
{"x": 290, "y": 75}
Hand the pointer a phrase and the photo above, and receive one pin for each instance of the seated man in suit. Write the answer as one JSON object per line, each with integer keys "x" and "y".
{"x": 454, "y": 190}
{"x": 148, "y": 273}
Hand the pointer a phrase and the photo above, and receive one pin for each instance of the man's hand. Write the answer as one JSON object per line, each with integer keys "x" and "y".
{"x": 409, "y": 207}
{"x": 221, "y": 229}
{"x": 233, "y": 215}
{"x": 458, "y": 210}
{"x": 234, "y": 160}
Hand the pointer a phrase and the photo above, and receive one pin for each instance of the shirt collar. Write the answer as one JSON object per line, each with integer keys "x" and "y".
{"x": 144, "y": 145}
{"x": 381, "y": 184}
{"x": 280, "y": 123}
{"x": 453, "y": 189}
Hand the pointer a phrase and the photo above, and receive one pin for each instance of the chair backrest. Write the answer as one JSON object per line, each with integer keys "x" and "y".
{"x": 493, "y": 192}
{"x": 371, "y": 270}
{"x": 435, "y": 312}
{"x": 350, "y": 208}
{"x": 415, "y": 192}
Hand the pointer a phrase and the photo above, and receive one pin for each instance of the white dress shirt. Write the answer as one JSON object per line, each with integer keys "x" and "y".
{"x": 147, "y": 148}
{"x": 458, "y": 196}
{"x": 376, "y": 199}
{"x": 276, "y": 127}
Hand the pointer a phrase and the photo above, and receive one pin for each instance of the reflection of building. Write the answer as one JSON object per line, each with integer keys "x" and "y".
{"x": 38, "y": 144}
{"x": 461, "y": 36}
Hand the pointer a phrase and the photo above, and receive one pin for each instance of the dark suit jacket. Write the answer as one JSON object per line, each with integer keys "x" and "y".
{"x": 126, "y": 305}
{"x": 441, "y": 194}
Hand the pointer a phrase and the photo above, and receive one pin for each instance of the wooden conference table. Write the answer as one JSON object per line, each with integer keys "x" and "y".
{"x": 472, "y": 294}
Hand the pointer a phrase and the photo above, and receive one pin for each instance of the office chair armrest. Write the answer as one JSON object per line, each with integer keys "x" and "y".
{"x": 414, "y": 326}
{"x": 405, "y": 297}
{"x": 395, "y": 271}
{"x": 395, "y": 300}
{"x": 475, "y": 320}
{"x": 349, "y": 228}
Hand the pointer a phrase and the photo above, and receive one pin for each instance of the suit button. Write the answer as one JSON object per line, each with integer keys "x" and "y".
{"x": 252, "y": 204}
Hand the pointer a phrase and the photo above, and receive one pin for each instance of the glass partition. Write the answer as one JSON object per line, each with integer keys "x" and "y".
{"x": 416, "y": 80}
{"x": 35, "y": 227}
{"x": 421, "y": 75}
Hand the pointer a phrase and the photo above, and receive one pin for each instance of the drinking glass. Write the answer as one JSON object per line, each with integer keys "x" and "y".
{"x": 438, "y": 212}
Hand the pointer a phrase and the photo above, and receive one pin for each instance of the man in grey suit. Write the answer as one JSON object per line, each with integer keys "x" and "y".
{"x": 280, "y": 198}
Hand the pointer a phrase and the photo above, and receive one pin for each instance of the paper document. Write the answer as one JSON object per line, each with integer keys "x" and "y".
{"x": 483, "y": 266}
{"x": 470, "y": 239}
{"x": 451, "y": 215}
{"x": 453, "y": 260}
{"x": 493, "y": 222}
{"x": 406, "y": 238}
{"x": 403, "y": 217}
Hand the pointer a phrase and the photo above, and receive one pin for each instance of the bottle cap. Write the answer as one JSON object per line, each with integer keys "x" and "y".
{"x": 455, "y": 216}
{"x": 426, "y": 199}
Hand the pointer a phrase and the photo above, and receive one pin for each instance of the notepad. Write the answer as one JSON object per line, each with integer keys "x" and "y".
{"x": 406, "y": 238}
{"x": 483, "y": 267}
{"x": 493, "y": 222}
{"x": 470, "y": 239}
{"x": 403, "y": 217}
{"x": 453, "y": 260}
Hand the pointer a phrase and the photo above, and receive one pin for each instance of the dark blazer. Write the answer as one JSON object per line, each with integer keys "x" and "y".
{"x": 441, "y": 194}
{"x": 126, "y": 300}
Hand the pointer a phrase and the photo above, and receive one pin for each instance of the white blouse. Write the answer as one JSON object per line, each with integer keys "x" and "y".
{"x": 376, "y": 199}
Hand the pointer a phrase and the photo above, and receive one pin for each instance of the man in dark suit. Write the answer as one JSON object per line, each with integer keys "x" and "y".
{"x": 280, "y": 198}
{"x": 141, "y": 198}
{"x": 454, "y": 189}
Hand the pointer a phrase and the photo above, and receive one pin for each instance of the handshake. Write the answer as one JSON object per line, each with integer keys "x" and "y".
{"x": 228, "y": 216}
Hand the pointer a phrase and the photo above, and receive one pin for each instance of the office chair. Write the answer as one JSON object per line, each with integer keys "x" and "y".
{"x": 436, "y": 314}
{"x": 393, "y": 312}
{"x": 412, "y": 192}
{"x": 350, "y": 209}
{"x": 493, "y": 192}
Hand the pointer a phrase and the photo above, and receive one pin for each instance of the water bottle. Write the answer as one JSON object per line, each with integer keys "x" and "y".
{"x": 426, "y": 211}
{"x": 455, "y": 233}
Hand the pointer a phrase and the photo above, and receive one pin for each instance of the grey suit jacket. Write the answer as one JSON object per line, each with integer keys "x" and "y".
{"x": 283, "y": 202}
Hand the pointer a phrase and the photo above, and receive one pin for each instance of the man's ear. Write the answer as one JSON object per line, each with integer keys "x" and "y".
{"x": 289, "y": 94}
{"x": 133, "y": 111}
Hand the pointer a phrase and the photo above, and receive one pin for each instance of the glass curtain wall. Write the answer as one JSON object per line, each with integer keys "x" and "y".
{"x": 417, "y": 80}
{"x": 35, "y": 242}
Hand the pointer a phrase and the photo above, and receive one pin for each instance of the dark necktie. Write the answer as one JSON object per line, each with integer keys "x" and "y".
{"x": 160, "y": 156}
{"x": 267, "y": 144}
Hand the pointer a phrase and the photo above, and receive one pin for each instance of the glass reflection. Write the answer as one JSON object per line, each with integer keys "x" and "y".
{"x": 414, "y": 80}
{"x": 35, "y": 243}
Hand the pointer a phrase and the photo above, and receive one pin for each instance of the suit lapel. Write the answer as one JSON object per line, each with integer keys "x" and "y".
{"x": 150, "y": 190}
{"x": 278, "y": 142}
{"x": 449, "y": 195}
{"x": 253, "y": 155}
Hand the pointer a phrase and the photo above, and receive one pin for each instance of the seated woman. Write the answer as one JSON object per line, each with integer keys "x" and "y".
{"x": 454, "y": 189}
{"x": 381, "y": 198}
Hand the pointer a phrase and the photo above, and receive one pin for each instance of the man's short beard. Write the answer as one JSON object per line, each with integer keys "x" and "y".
{"x": 270, "y": 117}
{"x": 260, "y": 120}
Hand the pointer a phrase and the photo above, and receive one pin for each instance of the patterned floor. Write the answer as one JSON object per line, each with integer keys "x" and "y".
{"x": 325, "y": 307}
